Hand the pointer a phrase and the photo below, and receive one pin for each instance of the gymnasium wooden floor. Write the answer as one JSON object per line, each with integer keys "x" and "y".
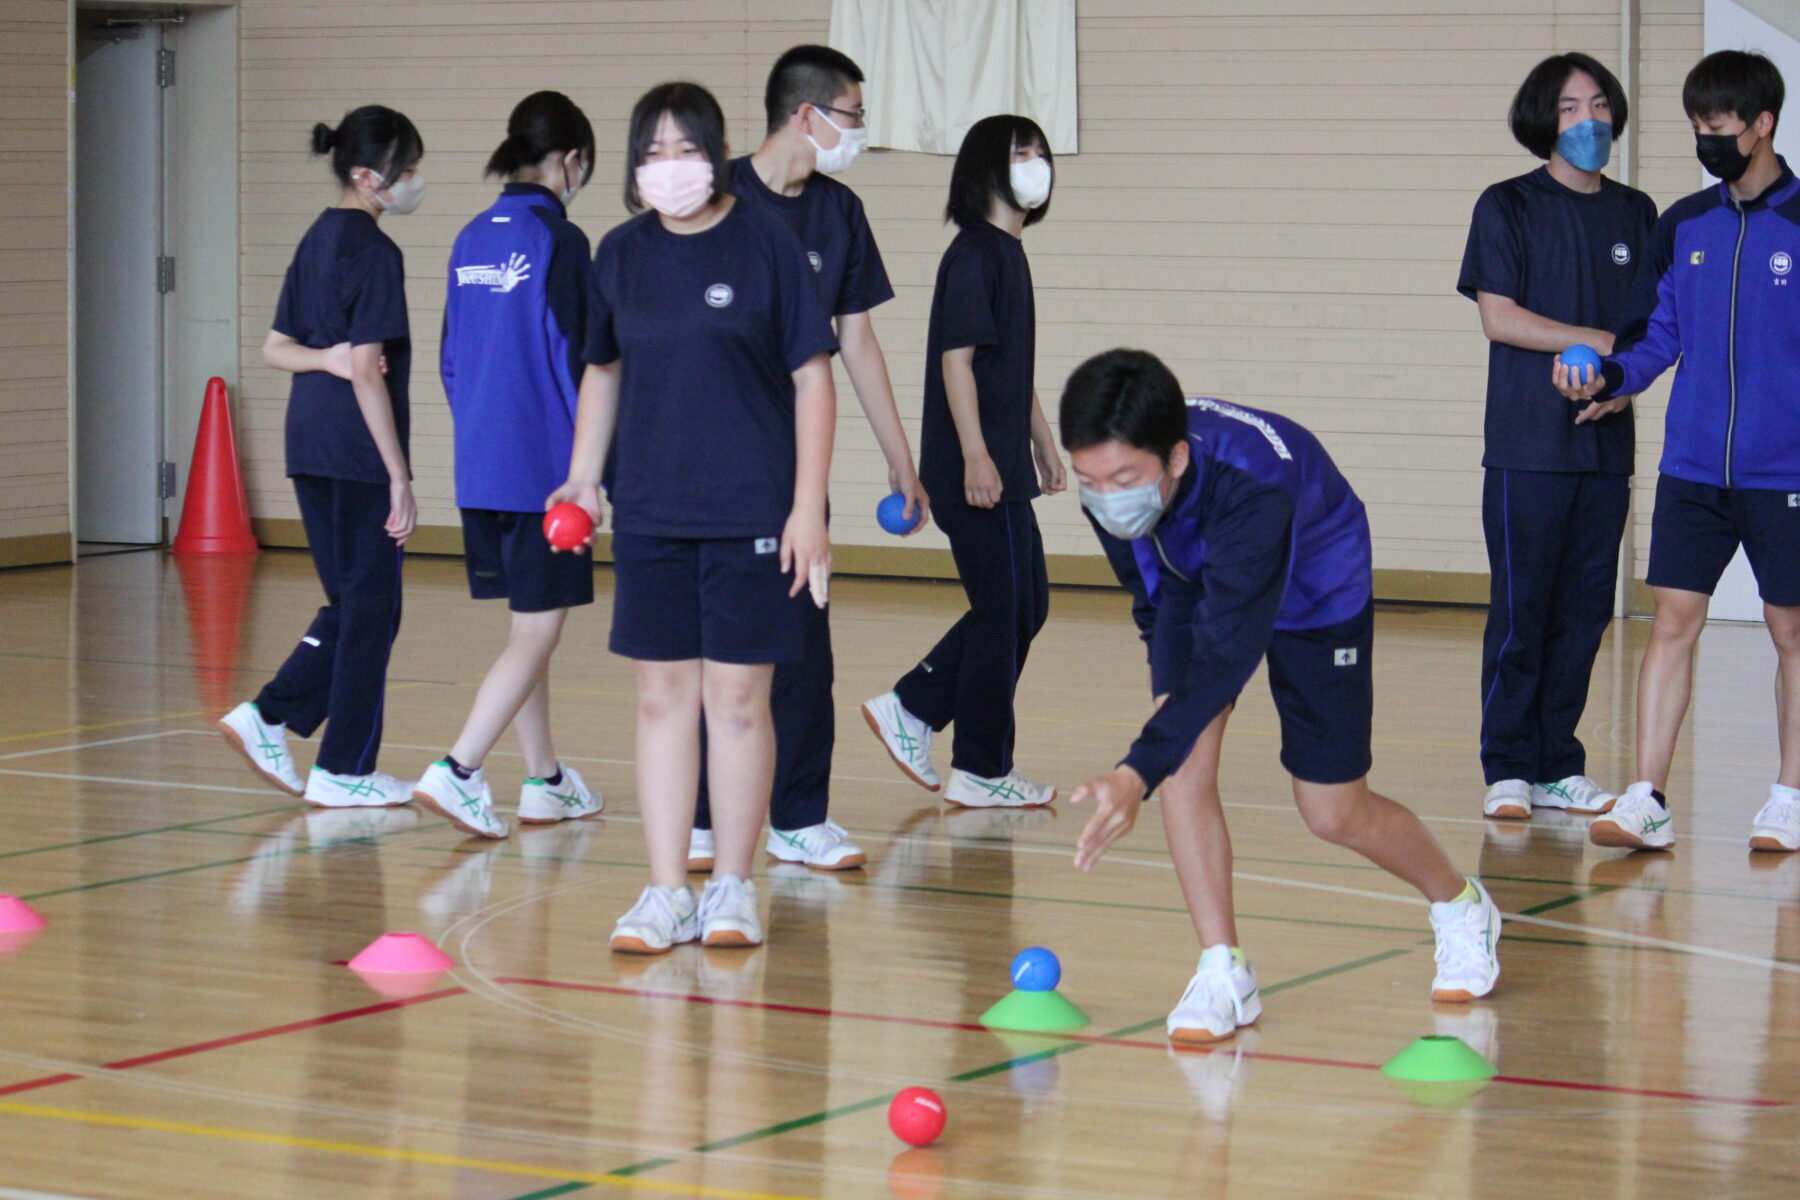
{"x": 181, "y": 1028}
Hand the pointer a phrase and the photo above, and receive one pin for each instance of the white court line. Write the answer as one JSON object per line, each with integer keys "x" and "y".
{"x": 1522, "y": 826}
{"x": 136, "y": 737}
{"x": 611, "y": 762}
{"x": 7, "y": 1193}
{"x": 1752, "y": 960}
{"x": 153, "y": 783}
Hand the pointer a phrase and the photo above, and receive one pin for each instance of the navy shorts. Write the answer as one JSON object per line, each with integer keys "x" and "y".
{"x": 1697, "y": 528}
{"x": 509, "y": 559}
{"x": 724, "y": 599}
{"x": 1322, "y": 681}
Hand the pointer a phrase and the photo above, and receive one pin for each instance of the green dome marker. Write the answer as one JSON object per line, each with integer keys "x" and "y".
{"x": 1439, "y": 1059}
{"x": 1034, "y": 1012}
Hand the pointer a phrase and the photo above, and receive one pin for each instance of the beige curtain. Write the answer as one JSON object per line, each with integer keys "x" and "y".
{"x": 935, "y": 67}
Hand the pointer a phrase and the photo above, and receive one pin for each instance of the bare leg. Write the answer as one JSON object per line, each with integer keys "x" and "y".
{"x": 509, "y": 684}
{"x": 1784, "y": 628}
{"x": 1385, "y": 833}
{"x": 1666, "y": 679}
{"x": 1194, "y": 823}
{"x": 740, "y": 762}
{"x": 668, "y": 763}
{"x": 532, "y": 728}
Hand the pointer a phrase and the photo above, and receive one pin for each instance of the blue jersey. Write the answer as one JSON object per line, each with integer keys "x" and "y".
{"x": 1271, "y": 536}
{"x": 513, "y": 322}
{"x": 828, "y": 219}
{"x": 708, "y": 329}
{"x": 1573, "y": 257}
{"x": 347, "y": 283}
{"x": 1727, "y": 307}
{"x": 983, "y": 299}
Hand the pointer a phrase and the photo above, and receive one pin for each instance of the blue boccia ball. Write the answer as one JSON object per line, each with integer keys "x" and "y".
{"x": 1036, "y": 970}
{"x": 1583, "y": 363}
{"x": 891, "y": 514}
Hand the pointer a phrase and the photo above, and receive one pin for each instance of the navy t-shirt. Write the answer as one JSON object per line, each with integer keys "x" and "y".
{"x": 983, "y": 299}
{"x": 347, "y": 283}
{"x": 828, "y": 219}
{"x": 708, "y": 329}
{"x": 1572, "y": 257}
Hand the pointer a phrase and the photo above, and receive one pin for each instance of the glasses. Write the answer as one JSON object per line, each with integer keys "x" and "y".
{"x": 859, "y": 115}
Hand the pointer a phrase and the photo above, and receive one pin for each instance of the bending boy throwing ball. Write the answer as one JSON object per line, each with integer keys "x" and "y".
{"x": 1237, "y": 536}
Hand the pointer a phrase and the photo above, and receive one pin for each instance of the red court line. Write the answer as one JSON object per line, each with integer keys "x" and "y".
{"x": 1134, "y": 1043}
{"x": 236, "y": 1039}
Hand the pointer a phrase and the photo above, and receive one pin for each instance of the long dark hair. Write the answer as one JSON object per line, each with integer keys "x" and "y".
{"x": 699, "y": 116}
{"x": 373, "y": 136}
{"x": 983, "y": 169}
{"x": 542, "y": 124}
{"x": 1536, "y": 106}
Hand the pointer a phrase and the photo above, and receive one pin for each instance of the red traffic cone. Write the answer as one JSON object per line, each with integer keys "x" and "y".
{"x": 215, "y": 516}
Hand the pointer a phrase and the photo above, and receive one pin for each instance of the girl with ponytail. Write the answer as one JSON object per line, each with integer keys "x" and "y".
{"x": 341, "y": 330}
{"x": 511, "y": 363}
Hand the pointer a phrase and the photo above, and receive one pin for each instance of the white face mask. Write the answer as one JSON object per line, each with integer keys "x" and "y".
{"x": 1128, "y": 513}
{"x": 571, "y": 183}
{"x": 1031, "y": 182}
{"x": 850, "y": 144}
{"x": 407, "y": 195}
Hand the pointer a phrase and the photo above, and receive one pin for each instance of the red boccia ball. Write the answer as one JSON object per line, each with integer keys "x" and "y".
{"x": 567, "y": 526}
{"x": 917, "y": 1116}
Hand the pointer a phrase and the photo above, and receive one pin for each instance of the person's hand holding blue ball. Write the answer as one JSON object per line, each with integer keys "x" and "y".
{"x": 892, "y": 516}
{"x": 1583, "y": 364}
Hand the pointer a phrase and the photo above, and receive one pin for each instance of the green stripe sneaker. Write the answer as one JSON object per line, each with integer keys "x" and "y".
{"x": 542, "y": 803}
{"x": 467, "y": 804}
{"x": 1636, "y": 822}
{"x": 327, "y": 789}
{"x": 264, "y": 747}
{"x": 1576, "y": 794}
{"x": 1011, "y": 790}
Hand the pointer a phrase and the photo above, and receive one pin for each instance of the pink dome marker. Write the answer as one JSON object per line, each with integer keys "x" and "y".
{"x": 401, "y": 954}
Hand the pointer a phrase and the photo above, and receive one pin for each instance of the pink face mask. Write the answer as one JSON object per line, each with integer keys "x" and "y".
{"x": 675, "y": 187}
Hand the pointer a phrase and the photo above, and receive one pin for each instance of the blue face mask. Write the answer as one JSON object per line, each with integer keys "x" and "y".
{"x": 1586, "y": 146}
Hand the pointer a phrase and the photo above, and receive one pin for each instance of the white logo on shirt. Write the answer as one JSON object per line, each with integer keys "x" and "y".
{"x": 496, "y": 278}
{"x": 767, "y": 545}
{"x": 1781, "y": 262}
{"x": 1621, "y": 253}
{"x": 812, "y": 256}
{"x": 1344, "y": 658}
{"x": 1794, "y": 499}
{"x": 719, "y": 295}
{"x": 1250, "y": 419}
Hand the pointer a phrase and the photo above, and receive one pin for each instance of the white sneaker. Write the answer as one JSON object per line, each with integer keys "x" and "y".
{"x": 467, "y": 804}
{"x": 1011, "y": 791}
{"x": 728, "y": 913}
{"x": 1508, "y": 800}
{"x": 701, "y": 851}
{"x": 1468, "y": 947}
{"x": 541, "y": 803}
{"x": 1777, "y": 826}
{"x": 661, "y": 919}
{"x": 1220, "y": 999}
{"x": 330, "y": 790}
{"x": 827, "y": 847}
{"x": 1576, "y": 794}
{"x": 1636, "y": 822}
{"x": 906, "y": 738}
{"x": 264, "y": 747}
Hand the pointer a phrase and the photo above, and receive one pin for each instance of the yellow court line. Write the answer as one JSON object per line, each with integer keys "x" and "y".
{"x": 424, "y": 1157}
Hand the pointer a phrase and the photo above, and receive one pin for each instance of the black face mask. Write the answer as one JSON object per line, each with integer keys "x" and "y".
{"x": 1719, "y": 154}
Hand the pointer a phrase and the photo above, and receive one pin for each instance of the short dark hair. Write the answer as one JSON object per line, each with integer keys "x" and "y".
{"x": 814, "y": 75}
{"x": 542, "y": 124}
{"x": 373, "y": 136}
{"x": 700, "y": 117}
{"x": 1535, "y": 107}
{"x": 983, "y": 168}
{"x": 1733, "y": 81}
{"x": 1124, "y": 396}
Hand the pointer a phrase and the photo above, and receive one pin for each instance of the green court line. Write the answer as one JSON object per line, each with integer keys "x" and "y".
{"x": 819, "y": 1118}
{"x": 117, "y": 837}
{"x": 1564, "y": 901}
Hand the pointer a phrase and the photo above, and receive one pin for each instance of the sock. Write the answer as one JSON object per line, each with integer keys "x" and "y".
{"x": 556, "y": 779}
{"x": 1659, "y": 797}
{"x": 458, "y": 770}
{"x": 1784, "y": 791}
{"x": 1468, "y": 893}
{"x": 1238, "y": 959}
